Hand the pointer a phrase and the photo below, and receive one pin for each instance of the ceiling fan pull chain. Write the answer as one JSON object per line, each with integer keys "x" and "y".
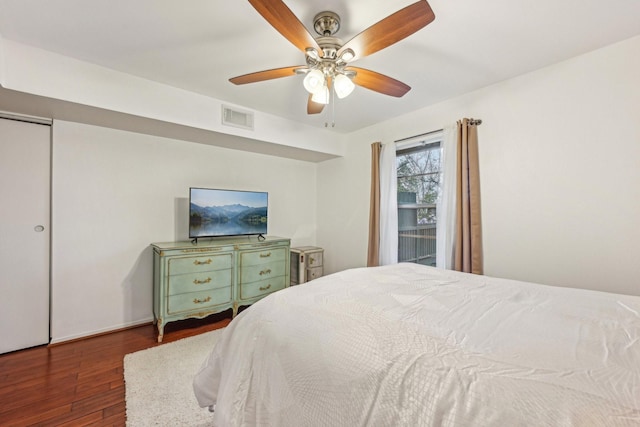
{"x": 333, "y": 106}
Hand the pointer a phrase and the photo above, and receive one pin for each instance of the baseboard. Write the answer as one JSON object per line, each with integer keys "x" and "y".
{"x": 71, "y": 338}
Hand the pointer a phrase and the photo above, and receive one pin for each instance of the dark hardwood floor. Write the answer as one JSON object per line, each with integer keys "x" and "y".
{"x": 81, "y": 383}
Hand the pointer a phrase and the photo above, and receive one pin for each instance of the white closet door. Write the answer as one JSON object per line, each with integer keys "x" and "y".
{"x": 25, "y": 158}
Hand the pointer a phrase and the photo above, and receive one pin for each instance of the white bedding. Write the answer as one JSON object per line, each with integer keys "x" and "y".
{"x": 409, "y": 345}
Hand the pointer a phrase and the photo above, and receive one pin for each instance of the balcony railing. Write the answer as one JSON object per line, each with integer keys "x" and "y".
{"x": 417, "y": 244}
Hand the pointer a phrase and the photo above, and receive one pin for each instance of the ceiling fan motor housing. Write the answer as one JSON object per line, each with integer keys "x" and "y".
{"x": 329, "y": 63}
{"x": 330, "y": 46}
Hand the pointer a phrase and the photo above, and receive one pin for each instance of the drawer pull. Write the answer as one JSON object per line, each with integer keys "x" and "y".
{"x": 200, "y": 282}
{"x": 267, "y": 255}
{"x": 196, "y": 262}
{"x": 200, "y": 301}
{"x": 267, "y": 271}
{"x": 311, "y": 260}
{"x": 264, "y": 288}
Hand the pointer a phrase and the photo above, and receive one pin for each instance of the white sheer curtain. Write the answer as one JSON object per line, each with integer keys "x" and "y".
{"x": 388, "y": 205}
{"x": 446, "y": 210}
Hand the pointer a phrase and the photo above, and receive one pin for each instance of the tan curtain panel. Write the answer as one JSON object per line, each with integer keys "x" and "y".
{"x": 373, "y": 255}
{"x": 468, "y": 243}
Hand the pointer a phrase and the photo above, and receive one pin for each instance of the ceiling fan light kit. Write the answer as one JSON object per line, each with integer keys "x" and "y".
{"x": 343, "y": 85}
{"x": 321, "y": 96}
{"x": 314, "y": 81}
{"x": 327, "y": 57}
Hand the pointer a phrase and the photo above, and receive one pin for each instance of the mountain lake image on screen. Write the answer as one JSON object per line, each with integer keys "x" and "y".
{"x": 215, "y": 212}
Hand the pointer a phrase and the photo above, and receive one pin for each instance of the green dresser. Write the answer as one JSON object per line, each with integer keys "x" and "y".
{"x": 207, "y": 277}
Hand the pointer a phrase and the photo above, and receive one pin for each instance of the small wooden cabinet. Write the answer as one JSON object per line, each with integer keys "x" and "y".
{"x": 203, "y": 278}
{"x": 306, "y": 264}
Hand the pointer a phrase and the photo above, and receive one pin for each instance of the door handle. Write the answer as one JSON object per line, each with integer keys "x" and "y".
{"x": 39, "y": 228}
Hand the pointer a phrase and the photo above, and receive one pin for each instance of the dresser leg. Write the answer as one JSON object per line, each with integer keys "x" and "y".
{"x": 235, "y": 310}
{"x": 160, "y": 330}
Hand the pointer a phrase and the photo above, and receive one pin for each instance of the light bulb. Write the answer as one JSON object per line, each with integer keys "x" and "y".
{"x": 314, "y": 81}
{"x": 343, "y": 86}
{"x": 321, "y": 96}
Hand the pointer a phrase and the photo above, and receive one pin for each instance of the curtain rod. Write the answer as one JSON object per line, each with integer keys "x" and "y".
{"x": 473, "y": 122}
{"x": 418, "y": 136}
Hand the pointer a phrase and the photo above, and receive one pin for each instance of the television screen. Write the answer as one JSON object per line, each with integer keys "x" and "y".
{"x": 214, "y": 212}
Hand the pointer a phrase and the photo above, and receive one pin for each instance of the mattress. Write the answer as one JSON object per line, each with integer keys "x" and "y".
{"x": 410, "y": 345}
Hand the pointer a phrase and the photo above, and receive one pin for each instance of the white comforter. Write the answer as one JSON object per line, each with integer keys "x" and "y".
{"x": 408, "y": 345}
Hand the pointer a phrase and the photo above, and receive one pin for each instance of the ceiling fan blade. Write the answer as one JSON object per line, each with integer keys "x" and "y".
{"x": 282, "y": 19}
{"x": 314, "y": 107}
{"x": 259, "y": 76}
{"x": 390, "y": 30}
{"x": 378, "y": 82}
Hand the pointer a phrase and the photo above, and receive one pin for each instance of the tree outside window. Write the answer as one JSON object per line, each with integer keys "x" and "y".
{"x": 419, "y": 182}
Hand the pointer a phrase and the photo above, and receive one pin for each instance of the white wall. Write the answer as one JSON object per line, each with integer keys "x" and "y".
{"x": 2, "y": 61}
{"x": 115, "y": 192}
{"x": 343, "y": 207}
{"x": 560, "y": 174}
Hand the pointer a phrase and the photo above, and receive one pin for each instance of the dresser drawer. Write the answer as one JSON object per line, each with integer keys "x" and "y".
{"x": 267, "y": 255}
{"x": 199, "y": 300}
{"x": 195, "y": 282}
{"x": 314, "y": 273}
{"x": 314, "y": 259}
{"x": 253, "y": 273}
{"x": 199, "y": 263}
{"x": 261, "y": 288}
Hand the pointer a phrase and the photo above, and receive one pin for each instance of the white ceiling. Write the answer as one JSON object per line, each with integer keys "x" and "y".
{"x": 198, "y": 45}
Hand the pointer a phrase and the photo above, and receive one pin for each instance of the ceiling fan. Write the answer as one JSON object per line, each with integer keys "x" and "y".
{"x": 327, "y": 68}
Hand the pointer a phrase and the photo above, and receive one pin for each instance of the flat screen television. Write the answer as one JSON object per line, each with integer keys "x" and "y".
{"x": 216, "y": 213}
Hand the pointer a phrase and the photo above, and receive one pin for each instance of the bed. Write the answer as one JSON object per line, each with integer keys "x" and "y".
{"x": 410, "y": 345}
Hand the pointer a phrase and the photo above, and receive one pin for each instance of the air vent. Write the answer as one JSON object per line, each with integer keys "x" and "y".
{"x": 237, "y": 118}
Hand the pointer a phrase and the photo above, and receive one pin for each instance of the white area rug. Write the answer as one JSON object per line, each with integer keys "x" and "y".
{"x": 158, "y": 383}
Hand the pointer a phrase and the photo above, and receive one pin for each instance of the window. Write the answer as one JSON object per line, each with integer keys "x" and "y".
{"x": 419, "y": 181}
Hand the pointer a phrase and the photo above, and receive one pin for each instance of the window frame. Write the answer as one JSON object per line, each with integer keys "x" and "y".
{"x": 409, "y": 146}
